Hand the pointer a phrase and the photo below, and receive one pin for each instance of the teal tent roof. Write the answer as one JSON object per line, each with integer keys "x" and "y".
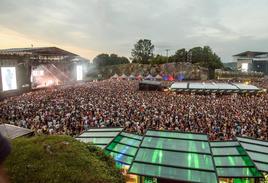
{"x": 187, "y": 157}
{"x": 232, "y": 161}
{"x": 175, "y": 155}
{"x": 124, "y": 147}
{"x": 99, "y": 136}
{"x": 257, "y": 150}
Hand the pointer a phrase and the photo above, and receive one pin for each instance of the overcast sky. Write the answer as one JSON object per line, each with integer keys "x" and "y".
{"x": 90, "y": 27}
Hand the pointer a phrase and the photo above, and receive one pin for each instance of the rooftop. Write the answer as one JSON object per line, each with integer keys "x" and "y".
{"x": 250, "y": 53}
{"x": 214, "y": 87}
{"x": 181, "y": 156}
{"x": 99, "y": 136}
{"x": 38, "y": 51}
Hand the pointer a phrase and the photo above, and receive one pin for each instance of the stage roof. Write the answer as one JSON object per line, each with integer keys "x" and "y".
{"x": 124, "y": 147}
{"x": 175, "y": 155}
{"x": 38, "y": 51}
{"x": 232, "y": 161}
{"x": 257, "y": 150}
{"x": 99, "y": 136}
{"x": 12, "y": 132}
{"x": 213, "y": 87}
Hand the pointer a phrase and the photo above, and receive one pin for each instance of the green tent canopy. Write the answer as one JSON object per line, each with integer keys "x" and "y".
{"x": 124, "y": 147}
{"x": 176, "y": 156}
{"x": 257, "y": 151}
{"x": 181, "y": 156}
{"x": 232, "y": 161}
{"x": 99, "y": 136}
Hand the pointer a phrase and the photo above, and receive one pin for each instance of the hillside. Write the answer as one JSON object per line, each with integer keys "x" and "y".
{"x": 189, "y": 70}
{"x": 58, "y": 159}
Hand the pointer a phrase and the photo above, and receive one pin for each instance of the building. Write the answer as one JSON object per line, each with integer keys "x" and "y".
{"x": 252, "y": 61}
{"x": 260, "y": 63}
{"x": 230, "y": 65}
{"x": 25, "y": 68}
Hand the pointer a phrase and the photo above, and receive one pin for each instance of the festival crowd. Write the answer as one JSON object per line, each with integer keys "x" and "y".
{"x": 72, "y": 109}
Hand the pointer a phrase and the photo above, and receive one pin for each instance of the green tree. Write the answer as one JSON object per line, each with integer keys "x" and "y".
{"x": 210, "y": 59}
{"x": 196, "y": 55}
{"x": 113, "y": 59}
{"x": 179, "y": 56}
{"x": 142, "y": 51}
{"x": 205, "y": 57}
{"x": 159, "y": 59}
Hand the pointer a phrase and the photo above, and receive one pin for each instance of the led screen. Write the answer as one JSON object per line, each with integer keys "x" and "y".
{"x": 244, "y": 67}
{"x": 79, "y": 72}
{"x": 9, "y": 80}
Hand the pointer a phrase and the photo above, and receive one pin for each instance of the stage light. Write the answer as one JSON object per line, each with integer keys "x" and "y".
{"x": 50, "y": 82}
{"x": 79, "y": 72}
{"x": 38, "y": 72}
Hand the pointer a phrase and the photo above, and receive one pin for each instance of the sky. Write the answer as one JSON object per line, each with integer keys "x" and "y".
{"x": 91, "y": 27}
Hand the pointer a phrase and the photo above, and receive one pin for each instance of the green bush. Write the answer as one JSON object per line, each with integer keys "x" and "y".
{"x": 45, "y": 159}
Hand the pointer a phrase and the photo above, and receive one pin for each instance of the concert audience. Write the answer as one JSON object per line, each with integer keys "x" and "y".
{"x": 73, "y": 109}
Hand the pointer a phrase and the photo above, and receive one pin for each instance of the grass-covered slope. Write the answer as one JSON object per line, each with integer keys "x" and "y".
{"x": 59, "y": 159}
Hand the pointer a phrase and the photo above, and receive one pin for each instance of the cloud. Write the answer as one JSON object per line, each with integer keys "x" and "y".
{"x": 110, "y": 26}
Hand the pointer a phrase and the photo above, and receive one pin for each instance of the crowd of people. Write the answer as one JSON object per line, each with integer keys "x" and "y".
{"x": 72, "y": 109}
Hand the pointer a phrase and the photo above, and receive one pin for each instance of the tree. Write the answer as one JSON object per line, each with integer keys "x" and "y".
{"x": 101, "y": 59}
{"x": 113, "y": 59}
{"x": 159, "y": 59}
{"x": 179, "y": 56}
{"x": 196, "y": 54}
{"x": 210, "y": 60}
{"x": 205, "y": 57}
{"x": 143, "y": 51}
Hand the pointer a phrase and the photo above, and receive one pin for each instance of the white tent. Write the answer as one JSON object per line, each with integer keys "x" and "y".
{"x": 115, "y": 76}
{"x": 131, "y": 77}
{"x": 149, "y": 77}
{"x": 12, "y": 131}
{"x": 158, "y": 77}
{"x": 123, "y": 76}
